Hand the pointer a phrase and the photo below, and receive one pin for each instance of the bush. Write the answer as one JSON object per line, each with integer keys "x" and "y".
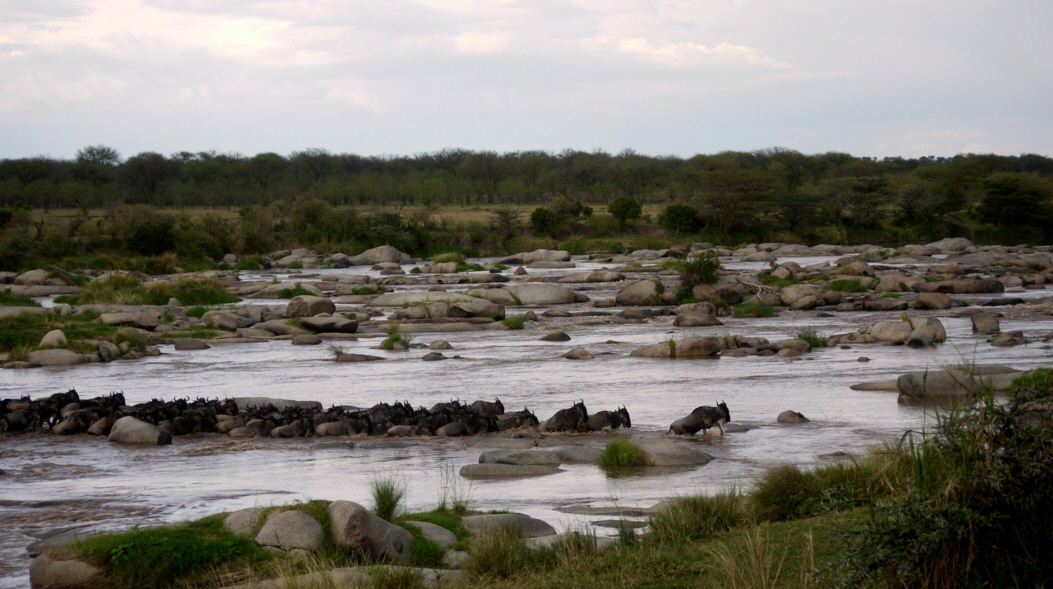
{"x": 544, "y": 221}
{"x": 680, "y": 218}
{"x": 622, "y": 453}
{"x": 980, "y": 506}
{"x": 697, "y": 269}
{"x": 625, "y": 209}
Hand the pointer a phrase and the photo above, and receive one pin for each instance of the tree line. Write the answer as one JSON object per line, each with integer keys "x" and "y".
{"x": 775, "y": 194}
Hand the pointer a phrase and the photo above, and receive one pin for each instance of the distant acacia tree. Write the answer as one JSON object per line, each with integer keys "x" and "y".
{"x": 99, "y": 154}
{"x": 148, "y": 173}
{"x": 681, "y": 218}
{"x": 625, "y": 209}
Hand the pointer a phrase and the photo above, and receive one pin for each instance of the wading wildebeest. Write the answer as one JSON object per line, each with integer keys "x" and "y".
{"x": 573, "y": 419}
{"x": 609, "y": 419}
{"x": 702, "y": 418}
{"x": 484, "y": 408}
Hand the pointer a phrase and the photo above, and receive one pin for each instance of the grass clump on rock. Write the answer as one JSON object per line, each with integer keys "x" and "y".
{"x": 812, "y": 337}
{"x": 395, "y": 339}
{"x": 295, "y": 291}
{"x": 129, "y": 290}
{"x": 24, "y": 331}
{"x": 622, "y": 453}
{"x": 753, "y": 310}
{"x": 516, "y": 322}
{"x": 846, "y": 285}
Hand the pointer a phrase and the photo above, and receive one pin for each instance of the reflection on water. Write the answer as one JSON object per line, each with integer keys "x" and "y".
{"x": 103, "y": 486}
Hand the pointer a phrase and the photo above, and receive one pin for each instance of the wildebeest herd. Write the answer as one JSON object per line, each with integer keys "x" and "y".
{"x": 66, "y": 414}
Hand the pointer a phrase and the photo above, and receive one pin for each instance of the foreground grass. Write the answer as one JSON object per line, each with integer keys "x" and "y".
{"x": 9, "y": 300}
{"x": 25, "y": 330}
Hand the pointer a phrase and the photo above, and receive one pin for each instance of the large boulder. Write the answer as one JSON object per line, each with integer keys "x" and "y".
{"x": 594, "y": 276}
{"x": 790, "y": 416}
{"x": 662, "y": 350}
{"x": 59, "y": 357}
{"x": 927, "y": 331}
{"x": 32, "y": 278}
{"x": 795, "y": 292}
{"x": 225, "y": 320}
{"x": 641, "y": 292}
{"x": 954, "y": 383}
{"x": 933, "y": 300}
{"x": 951, "y": 245}
{"x": 53, "y": 571}
{"x": 244, "y": 521}
{"x": 540, "y": 255}
{"x": 308, "y": 306}
{"x": 190, "y": 343}
{"x": 355, "y": 529}
{"x": 53, "y": 339}
{"x": 129, "y": 430}
{"x": 491, "y": 522}
{"x": 705, "y": 308}
{"x": 985, "y": 323}
{"x": 291, "y": 531}
{"x": 697, "y": 347}
{"x": 140, "y": 320}
{"x": 520, "y": 457}
{"x": 381, "y": 254}
{"x": 280, "y": 327}
{"x": 398, "y": 299}
{"x": 726, "y": 289}
{"x": 492, "y": 470}
{"x": 892, "y": 331}
{"x": 438, "y": 534}
{"x": 498, "y": 296}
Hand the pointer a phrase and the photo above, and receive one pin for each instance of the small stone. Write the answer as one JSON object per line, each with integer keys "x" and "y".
{"x": 306, "y": 339}
{"x": 862, "y": 359}
{"x": 190, "y": 343}
{"x": 440, "y": 345}
{"x": 433, "y": 356}
{"x": 578, "y": 354}
{"x": 555, "y": 336}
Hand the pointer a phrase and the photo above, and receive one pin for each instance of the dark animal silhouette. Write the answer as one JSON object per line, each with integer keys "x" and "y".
{"x": 702, "y": 418}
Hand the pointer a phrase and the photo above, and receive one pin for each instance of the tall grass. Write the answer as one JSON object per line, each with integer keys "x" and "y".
{"x": 813, "y": 338}
{"x": 128, "y": 290}
{"x": 394, "y": 337}
{"x": 387, "y": 493}
{"x": 516, "y": 322}
{"x": 698, "y": 517}
{"x": 455, "y": 492}
{"x": 753, "y": 567}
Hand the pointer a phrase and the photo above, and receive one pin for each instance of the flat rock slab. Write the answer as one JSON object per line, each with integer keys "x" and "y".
{"x": 60, "y": 357}
{"x": 491, "y": 522}
{"x": 520, "y": 457}
{"x": 884, "y": 385}
{"x": 510, "y": 443}
{"x": 578, "y": 454}
{"x": 498, "y": 471}
{"x": 357, "y": 358}
{"x": 190, "y": 343}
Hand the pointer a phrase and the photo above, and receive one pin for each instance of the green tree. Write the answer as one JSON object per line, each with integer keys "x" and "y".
{"x": 681, "y": 218}
{"x": 544, "y": 221}
{"x": 1013, "y": 199}
{"x": 625, "y": 209}
{"x": 148, "y": 173}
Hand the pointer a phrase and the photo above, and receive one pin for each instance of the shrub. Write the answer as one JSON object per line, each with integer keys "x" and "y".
{"x": 753, "y": 310}
{"x": 363, "y": 290}
{"x": 197, "y": 311}
{"x": 812, "y": 337}
{"x": 697, "y": 269}
{"x": 846, "y": 285}
{"x": 625, "y": 209}
{"x": 296, "y": 265}
{"x": 622, "y": 453}
{"x": 680, "y": 218}
{"x": 296, "y": 291}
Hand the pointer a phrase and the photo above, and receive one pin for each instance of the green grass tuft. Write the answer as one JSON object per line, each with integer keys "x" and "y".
{"x": 753, "y": 310}
{"x": 516, "y": 322}
{"x": 388, "y": 494}
{"x": 845, "y": 285}
{"x": 9, "y": 300}
{"x": 770, "y": 280}
{"x": 698, "y": 517}
{"x": 622, "y": 453}
{"x": 295, "y": 291}
{"x": 812, "y": 337}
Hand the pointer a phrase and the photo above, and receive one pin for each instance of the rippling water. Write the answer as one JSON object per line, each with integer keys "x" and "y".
{"x": 80, "y": 482}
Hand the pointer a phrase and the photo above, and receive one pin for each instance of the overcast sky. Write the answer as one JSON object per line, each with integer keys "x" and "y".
{"x": 876, "y": 78}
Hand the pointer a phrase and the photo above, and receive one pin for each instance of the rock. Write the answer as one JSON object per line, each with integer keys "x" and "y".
{"x": 927, "y": 331}
{"x": 53, "y": 339}
{"x": 520, "y": 457}
{"x": 578, "y": 354}
{"x": 399, "y": 299}
{"x": 594, "y": 276}
{"x": 32, "y": 278}
{"x": 244, "y": 521}
{"x": 140, "y": 320}
{"x": 59, "y": 357}
{"x": 789, "y": 416}
{"x": 543, "y": 294}
{"x": 759, "y": 257}
{"x": 225, "y": 320}
{"x": 705, "y": 308}
{"x": 290, "y": 530}
{"x": 306, "y": 339}
{"x": 16, "y": 365}
{"x": 108, "y": 352}
{"x": 440, "y": 345}
{"x": 497, "y": 471}
{"x": 859, "y": 269}
{"x": 1003, "y": 302}
{"x": 357, "y": 530}
{"x": 789, "y": 353}
{"x": 886, "y": 305}
{"x": 382, "y": 254}
{"x": 540, "y": 255}
{"x": 692, "y": 320}
{"x": 951, "y": 245}
{"x": 555, "y": 336}
{"x": 309, "y": 306}
{"x": 254, "y": 333}
{"x": 190, "y": 343}
{"x": 933, "y": 300}
{"x": 795, "y": 292}
{"x": 51, "y": 571}
{"x": 641, "y": 292}
{"x": 281, "y": 327}
{"x": 438, "y": 534}
{"x": 520, "y": 271}
{"x": 230, "y": 259}
{"x": 985, "y": 323}
{"x": 954, "y": 383}
{"x": 491, "y": 522}
{"x": 329, "y": 324}
{"x": 697, "y": 347}
{"x": 662, "y": 350}
{"x": 577, "y": 454}
{"x": 892, "y": 331}
{"x": 660, "y": 452}
{"x": 129, "y": 430}
{"x": 804, "y": 303}
{"x": 1009, "y": 338}
{"x": 357, "y": 358}
{"x": 433, "y": 357}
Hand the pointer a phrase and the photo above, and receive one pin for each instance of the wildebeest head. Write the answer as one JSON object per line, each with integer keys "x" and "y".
{"x": 625, "y": 415}
{"x": 580, "y": 405}
{"x": 724, "y": 408}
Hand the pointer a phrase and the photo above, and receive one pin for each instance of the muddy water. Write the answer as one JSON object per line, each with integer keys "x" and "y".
{"x": 54, "y": 484}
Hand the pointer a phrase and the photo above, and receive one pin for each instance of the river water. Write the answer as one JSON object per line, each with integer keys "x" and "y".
{"x": 58, "y": 484}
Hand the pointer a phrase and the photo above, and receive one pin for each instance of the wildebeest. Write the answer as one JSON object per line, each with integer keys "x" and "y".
{"x": 403, "y": 431}
{"x": 350, "y": 426}
{"x": 609, "y": 419}
{"x": 702, "y": 418}
{"x": 484, "y": 408}
{"x": 516, "y": 419}
{"x": 468, "y": 425}
{"x": 575, "y": 418}
{"x": 300, "y": 428}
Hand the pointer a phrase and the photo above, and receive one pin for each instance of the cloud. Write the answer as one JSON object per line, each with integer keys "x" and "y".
{"x": 688, "y": 54}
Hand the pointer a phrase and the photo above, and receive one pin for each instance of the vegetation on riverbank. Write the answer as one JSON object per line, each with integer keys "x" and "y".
{"x": 130, "y": 213}
{"x": 129, "y": 290}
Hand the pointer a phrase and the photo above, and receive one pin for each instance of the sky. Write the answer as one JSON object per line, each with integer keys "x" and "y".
{"x": 400, "y": 77}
